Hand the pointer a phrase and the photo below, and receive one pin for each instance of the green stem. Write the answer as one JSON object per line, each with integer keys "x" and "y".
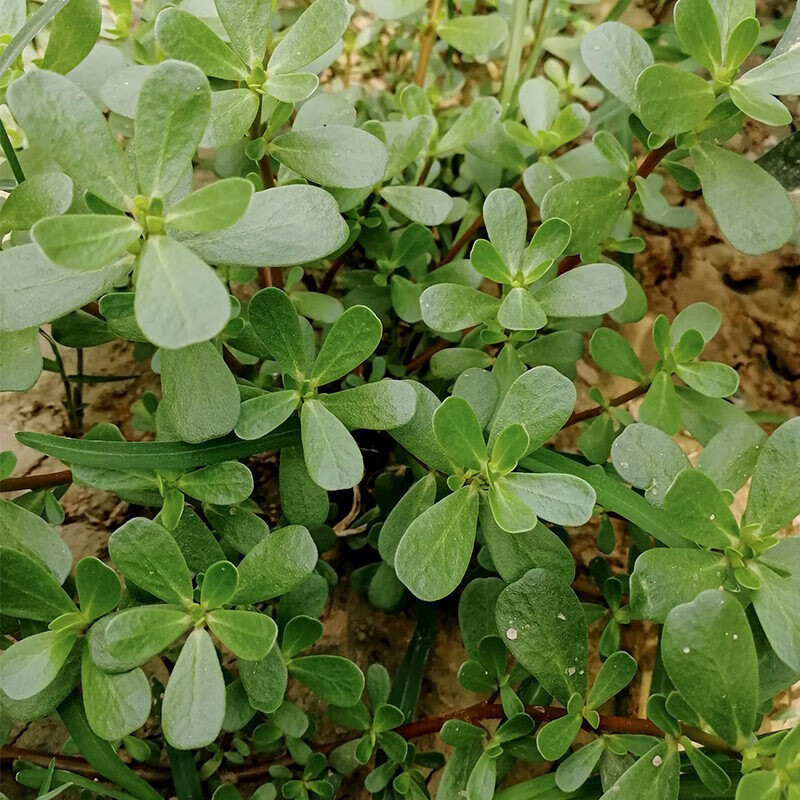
{"x": 539, "y": 36}
{"x": 11, "y": 154}
{"x": 69, "y": 402}
{"x": 408, "y": 678}
{"x": 519, "y": 16}
{"x": 618, "y": 10}
{"x": 99, "y": 753}
{"x": 185, "y": 777}
{"x": 77, "y": 393}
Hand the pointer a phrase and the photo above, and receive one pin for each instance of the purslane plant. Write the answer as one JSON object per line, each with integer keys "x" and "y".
{"x": 382, "y": 242}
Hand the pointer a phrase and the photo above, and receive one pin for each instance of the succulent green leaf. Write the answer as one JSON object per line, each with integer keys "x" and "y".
{"x": 64, "y": 121}
{"x": 649, "y": 459}
{"x": 116, "y": 705}
{"x": 135, "y": 635}
{"x": 317, "y": 29}
{"x": 563, "y": 499}
{"x": 459, "y": 433}
{"x": 282, "y": 226}
{"x": 774, "y": 497}
{"x": 779, "y": 74}
{"x": 262, "y": 414}
{"x": 211, "y": 208}
{"x": 29, "y": 589}
{"x": 695, "y": 506}
{"x": 575, "y": 770}
{"x": 541, "y": 400}
{"x": 302, "y": 501}
{"x": 656, "y": 774}
{"x": 616, "y": 55}
{"x": 278, "y": 563}
{"x": 185, "y": 37}
{"x": 554, "y": 738}
{"x": 146, "y": 554}
{"x": 583, "y": 292}
{"x": 247, "y": 26}
{"x": 435, "y": 550}
{"x": 697, "y": 28}
{"x": 248, "y": 634}
{"x": 179, "y": 299}
{"x": 351, "y": 340}
{"x": 27, "y": 532}
{"x": 419, "y": 203}
{"x": 615, "y": 674}
{"x": 48, "y": 194}
{"x": 418, "y": 498}
{"x": 85, "y": 241}
{"x": 474, "y": 35}
{"x": 759, "y": 105}
{"x": 194, "y": 700}
{"x": 672, "y": 101}
{"x": 542, "y": 624}
{"x": 228, "y": 483}
{"x": 232, "y": 113}
{"x": 171, "y": 115}
{"x": 449, "y": 307}
{"x": 277, "y": 324}
{"x": 335, "y": 679}
{"x": 750, "y": 206}
{"x": 591, "y": 207}
{"x": 520, "y": 311}
{"x": 32, "y": 664}
{"x": 334, "y": 155}
{"x": 710, "y": 656}
{"x": 99, "y": 589}
{"x": 776, "y": 602}
{"x": 378, "y": 406}
{"x": 200, "y": 398}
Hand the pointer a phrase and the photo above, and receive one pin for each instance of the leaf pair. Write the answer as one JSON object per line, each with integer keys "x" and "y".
{"x": 695, "y": 505}
{"x": 721, "y": 42}
{"x": 336, "y": 679}
{"x": 679, "y": 345}
{"x": 549, "y": 127}
{"x": 179, "y": 300}
{"x": 531, "y": 290}
{"x": 430, "y": 544}
{"x": 172, "y": 113}
{"x": 183, "y": 36}
{"x": 41, "y": 665}
{"x": 149, "y": 557}
{"x": 332, "y": 458}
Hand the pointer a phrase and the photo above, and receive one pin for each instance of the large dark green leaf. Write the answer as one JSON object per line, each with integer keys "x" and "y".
{"x": 708, "y": 651}
{"x": 542, "y": 624}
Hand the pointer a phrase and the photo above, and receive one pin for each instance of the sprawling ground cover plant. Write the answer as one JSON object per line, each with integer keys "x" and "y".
{"x": 409, "y": 264}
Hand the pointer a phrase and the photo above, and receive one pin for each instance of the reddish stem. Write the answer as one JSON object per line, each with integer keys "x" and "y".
{"x": 77, "y": 765}
{"x": 412, "y": 730}
{"x": 596, "y": 411}
{"x": 45, "y": 481}
{"x": 328, "y": 278}
{"x": 649, "y": 163}
{"x": 426, "y": 45}
{"x": 426, "y": 355}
